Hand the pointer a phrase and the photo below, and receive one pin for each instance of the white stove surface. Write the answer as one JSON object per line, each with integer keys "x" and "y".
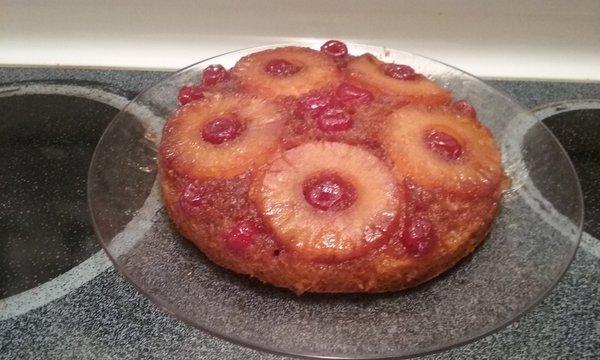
{"x": 555, "y": 40}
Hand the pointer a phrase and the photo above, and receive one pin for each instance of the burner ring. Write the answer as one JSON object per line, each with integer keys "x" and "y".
{"x": 589, "y": 243}
{"x": 86, "y": 270}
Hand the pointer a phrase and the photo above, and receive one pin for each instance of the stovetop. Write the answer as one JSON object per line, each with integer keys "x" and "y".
{"x": 61, "y": 298}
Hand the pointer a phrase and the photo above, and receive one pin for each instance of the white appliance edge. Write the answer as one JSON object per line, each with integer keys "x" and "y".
{"x": 551, "y": 40}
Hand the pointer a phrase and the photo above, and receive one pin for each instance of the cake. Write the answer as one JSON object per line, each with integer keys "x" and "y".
{"x": 320, "y": 171}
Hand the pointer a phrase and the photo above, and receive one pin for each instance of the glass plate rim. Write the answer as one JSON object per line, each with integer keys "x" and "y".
{"x": 232, "y": 338}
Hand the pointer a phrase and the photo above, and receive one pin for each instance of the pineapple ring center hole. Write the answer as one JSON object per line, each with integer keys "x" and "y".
{"x": 444, "y": 142}
{"x": 281, "y": 68}
{"x": 328, "y": 191}
{"x": 221, "y": 129}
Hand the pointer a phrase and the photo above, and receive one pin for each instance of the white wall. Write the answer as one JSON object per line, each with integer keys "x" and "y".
{"x": 510, "y": 39}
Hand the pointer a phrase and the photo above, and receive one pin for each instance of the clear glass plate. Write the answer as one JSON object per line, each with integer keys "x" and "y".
{"x": 528, "y": 249}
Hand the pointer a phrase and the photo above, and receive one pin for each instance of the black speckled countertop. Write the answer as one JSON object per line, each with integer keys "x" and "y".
{"x": 97, "y": 314}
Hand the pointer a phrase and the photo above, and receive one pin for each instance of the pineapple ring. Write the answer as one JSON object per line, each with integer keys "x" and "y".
{"x": 189, "y": 154}
{"x": 315, "y": 71}
{"x": 476, "y": 172}
{"x": 324, "y": 234}
{"x": 368, "y": 71}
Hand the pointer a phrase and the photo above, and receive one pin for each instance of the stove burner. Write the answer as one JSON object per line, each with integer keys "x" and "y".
{"x": 47, "y": 136}
{"x": 576, "y": 124}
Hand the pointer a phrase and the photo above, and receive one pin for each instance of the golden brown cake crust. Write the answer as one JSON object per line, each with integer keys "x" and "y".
{"x": 208, "y": 210}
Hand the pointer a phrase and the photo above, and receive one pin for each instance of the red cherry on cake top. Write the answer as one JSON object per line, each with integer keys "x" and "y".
{"x": 329, "y": 192}
{"x": 280, "y": 67}
{"x": 348, "y": 93}
{"x": 464, "y": 107}
{"x": 214, "y": 74}
{"x": 334, "y": 118}
{"x": 189, "y": 93}
{"x": 400, "y": 72}
{"x": 314, "y": 103}
{"x": 241, "y": 236}
{"x": 419, "y": 237}
{"x": 335, "y": 48}
{"x": 443, "y": 144}
{"x": 221, "y": 129}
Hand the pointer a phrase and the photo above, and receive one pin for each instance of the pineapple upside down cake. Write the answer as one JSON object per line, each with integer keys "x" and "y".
{"x": 319, "y": 171}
